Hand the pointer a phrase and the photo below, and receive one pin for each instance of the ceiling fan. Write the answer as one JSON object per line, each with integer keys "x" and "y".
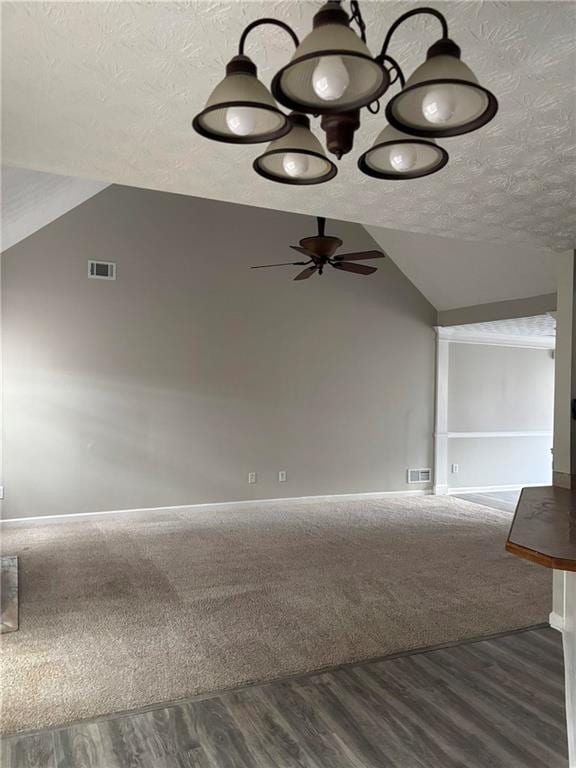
{"x": 320, "y": 251}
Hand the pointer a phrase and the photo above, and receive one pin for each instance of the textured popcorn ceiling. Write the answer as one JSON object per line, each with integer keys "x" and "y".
{"x": 107, "y": 90}
{"x": 31, "y": 200}
{"x": 537, "y": 325}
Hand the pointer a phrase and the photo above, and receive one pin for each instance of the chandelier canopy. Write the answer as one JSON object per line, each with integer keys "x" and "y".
{"x": 333, "y": 75}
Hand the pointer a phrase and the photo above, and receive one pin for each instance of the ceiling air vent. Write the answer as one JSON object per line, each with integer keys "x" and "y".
{"x": 102, "y": 270}
{"x": 419, "y": 475}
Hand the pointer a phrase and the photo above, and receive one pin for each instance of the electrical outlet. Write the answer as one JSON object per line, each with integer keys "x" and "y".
{"x": 251, "y": 477}
{"x": 282, "y": 476}
{"x": 1, "y": 491}
{"x": 455, "y": 469}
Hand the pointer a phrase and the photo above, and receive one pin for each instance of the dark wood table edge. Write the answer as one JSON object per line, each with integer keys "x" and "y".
{"x": 548, "y": 561}
{"x": 558, "y": 563}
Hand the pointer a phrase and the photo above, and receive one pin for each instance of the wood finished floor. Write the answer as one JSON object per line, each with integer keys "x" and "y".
{"x": 495, "y": 703}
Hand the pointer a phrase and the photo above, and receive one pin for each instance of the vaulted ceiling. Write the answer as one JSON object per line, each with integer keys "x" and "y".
{"x": 456, "y": 273}
{"x": 106, "y": 91}
{"x": 31, "y": 200}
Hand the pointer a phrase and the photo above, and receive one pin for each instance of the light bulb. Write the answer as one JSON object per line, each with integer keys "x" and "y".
{"x": 403, "y": 157}
{"x": 295, "y": 164}
{"x": 439, "y": 104}
{"x": 330, "y": 78}
{"x": 241, "y": 120}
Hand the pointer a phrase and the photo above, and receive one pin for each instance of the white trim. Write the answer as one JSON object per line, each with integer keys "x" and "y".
{"x": 568, "y": 607}
{"x": 453, "y": 490}
{"x": 441, "y": 416}
{"x": 461, "y": 336}
{"x": 326, "y": 497}
{"x": 557, "y": 621}
{"x": 520, "y": 433}
{"x": 559, "y": 600}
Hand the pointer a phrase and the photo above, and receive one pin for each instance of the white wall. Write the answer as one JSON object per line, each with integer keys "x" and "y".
{"x": 169, "y": 385}
{"x": 500, "y": 415}
{"x": 494, "y": 388}
{"x": 496, "y": 461}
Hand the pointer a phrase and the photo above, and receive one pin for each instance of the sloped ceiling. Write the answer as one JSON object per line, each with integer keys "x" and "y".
{"x": 31, "y": 200}
{"x": 455, "y": 273}
{"x": 107, "y": 91}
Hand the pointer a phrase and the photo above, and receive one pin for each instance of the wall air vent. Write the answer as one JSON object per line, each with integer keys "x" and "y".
{"x": 102, "y": 270}
{"x": 419, "y": 475}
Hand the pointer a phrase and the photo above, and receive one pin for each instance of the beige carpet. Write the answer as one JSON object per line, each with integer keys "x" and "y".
{"x": 120, "y": 611}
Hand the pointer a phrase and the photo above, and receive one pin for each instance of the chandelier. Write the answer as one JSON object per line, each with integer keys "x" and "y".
{"x": 332, "y": 75}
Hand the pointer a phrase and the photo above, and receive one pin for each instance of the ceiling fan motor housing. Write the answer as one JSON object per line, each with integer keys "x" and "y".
{"x": 323, "y": 247}
{"x": 320, "y": 250}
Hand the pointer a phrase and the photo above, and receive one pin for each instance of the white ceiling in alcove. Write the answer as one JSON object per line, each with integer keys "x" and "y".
{"x": 107, "y": 91}
{"x": 537, "y": 325}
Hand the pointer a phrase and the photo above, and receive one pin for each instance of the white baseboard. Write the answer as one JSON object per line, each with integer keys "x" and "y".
{"x": 556, "y": 621}
{"x": 492, "y": 488}
{"x": 325, "y": 497}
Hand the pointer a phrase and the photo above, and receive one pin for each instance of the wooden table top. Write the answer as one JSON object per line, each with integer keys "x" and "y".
{"x": 544, "y": 527}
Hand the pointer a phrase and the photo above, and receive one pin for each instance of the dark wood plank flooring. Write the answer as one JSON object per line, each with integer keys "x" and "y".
{"x": 496, "y": 703}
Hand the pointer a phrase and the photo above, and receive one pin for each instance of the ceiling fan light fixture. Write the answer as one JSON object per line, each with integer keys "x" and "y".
{"x": 442, "y": 97}
{"x": 241, "y": 109}
{"x": 332, "y": 70}
{"x": 296, "y": 158}
{"x": 397, "y": 155}
{"x": 319, "y": 251}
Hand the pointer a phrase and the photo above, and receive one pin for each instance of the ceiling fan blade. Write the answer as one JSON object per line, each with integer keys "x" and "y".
{"x": 306, "y": 273}
{"x": 301, "y": 250}
{"x": 283, "y": 264}
{"x": 360, "y": 269}
{"x": 360, "y": 256}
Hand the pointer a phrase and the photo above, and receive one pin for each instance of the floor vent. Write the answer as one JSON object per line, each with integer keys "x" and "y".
{"x": 419, "y": 475}
{"x": 102, "y": 270}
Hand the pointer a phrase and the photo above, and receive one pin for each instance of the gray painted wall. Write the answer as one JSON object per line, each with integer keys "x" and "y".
{"x": 169, "y": 385}
{"x": 500, "y": 389}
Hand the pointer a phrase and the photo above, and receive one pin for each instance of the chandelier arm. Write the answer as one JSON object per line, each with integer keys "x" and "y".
{"x": 259, "y": 23}
{"x": 397, "y": 69}
{"x": 401, "y": 19}
{"x": 356, "y": 16}
{"x": 374, "y": 107}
